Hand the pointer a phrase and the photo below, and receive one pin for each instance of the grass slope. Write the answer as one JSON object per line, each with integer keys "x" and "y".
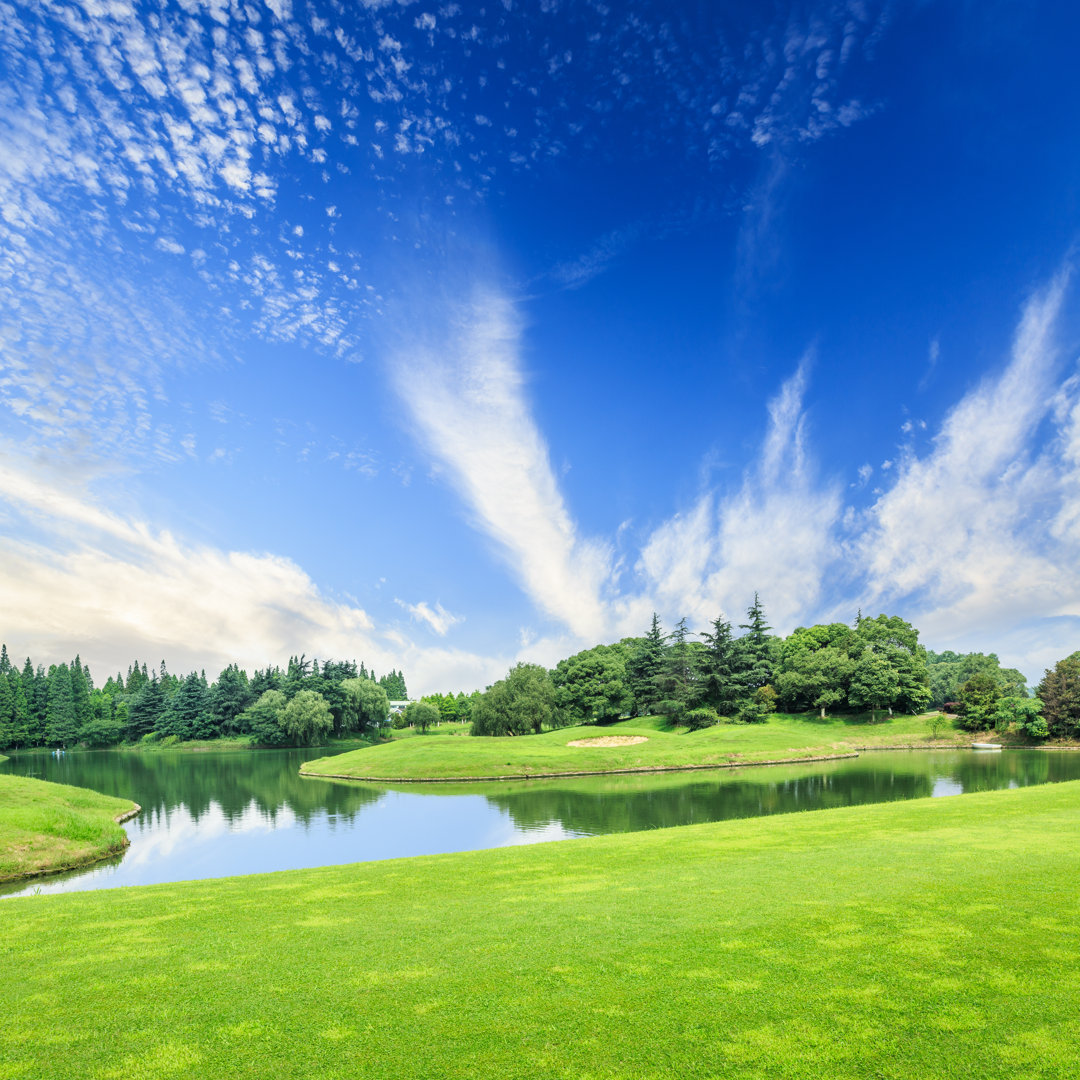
{"x": 46, "y": 827}
{"x": 783, "y": 737}
{"x": 934, "y": 938}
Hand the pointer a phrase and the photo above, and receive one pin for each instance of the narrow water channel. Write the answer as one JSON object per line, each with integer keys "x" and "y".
{"x": 216, "y": 814}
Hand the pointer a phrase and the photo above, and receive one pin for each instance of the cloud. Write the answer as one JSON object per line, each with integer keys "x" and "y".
{"x": 776, "y": 534}
{"x": 978, "y": 536}
{"x": 468, "y": 401}
{"x": 77, "y": 578}
{"x": 438, "y": 618}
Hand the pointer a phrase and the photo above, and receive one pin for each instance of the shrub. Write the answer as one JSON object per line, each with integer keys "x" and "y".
{"x": 704, "y": 717}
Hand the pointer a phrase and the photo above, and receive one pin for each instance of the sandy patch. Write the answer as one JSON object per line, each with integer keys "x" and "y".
{"x": 609, "y": 740}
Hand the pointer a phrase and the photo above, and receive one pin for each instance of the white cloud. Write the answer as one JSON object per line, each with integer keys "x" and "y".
{"x": 775, "y": 535}
{"x": 438, "y": 618}
{"x": 76, "y": 578}
{"x": 979, "y": 536}
{"x": 468, "y": 400}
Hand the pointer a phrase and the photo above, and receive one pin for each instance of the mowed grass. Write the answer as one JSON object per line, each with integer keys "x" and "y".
{"x": 46, "y": 827}
{"x": 784, "y": 737}
{"x": 934, "y": 938}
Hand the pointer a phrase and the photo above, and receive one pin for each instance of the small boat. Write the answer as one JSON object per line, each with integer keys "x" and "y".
{"x": 986, "y": 746}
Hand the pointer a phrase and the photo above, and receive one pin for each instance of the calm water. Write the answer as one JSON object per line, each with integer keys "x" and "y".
{"x": 215, "y": 814}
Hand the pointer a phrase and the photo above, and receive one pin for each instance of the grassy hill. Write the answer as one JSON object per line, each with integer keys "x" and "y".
{"x": 921, "y": 939}
{"x": 436, "y": 757}
{"x": 47, "y": 827}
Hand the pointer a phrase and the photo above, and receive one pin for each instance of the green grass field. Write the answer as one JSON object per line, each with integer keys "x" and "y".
{"x": 46, "y": 827}
{"x": 784, "y": 737}
{"x": 934, "y": 938}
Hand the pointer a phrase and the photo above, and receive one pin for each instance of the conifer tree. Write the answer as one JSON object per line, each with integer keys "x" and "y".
{"x": 7, "y": 713}
{"x": 61, "y": 726}
{"x": 5, "y": 663}
{"x": 187, "y": 713}
{"x": 643, "y": 668}
{"x": 719, "y": 684}
{"x": 21, "y": 717}
{"x": 80, "y": 693}
{"x": 755, "y": 649}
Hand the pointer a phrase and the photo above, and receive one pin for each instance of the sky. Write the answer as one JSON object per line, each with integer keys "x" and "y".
{"x": 444, "y": 336}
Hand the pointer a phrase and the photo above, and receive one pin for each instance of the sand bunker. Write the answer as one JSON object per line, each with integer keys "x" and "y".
{"x": 609, "y": 740}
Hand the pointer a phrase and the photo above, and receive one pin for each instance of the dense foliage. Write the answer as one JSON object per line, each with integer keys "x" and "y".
{"x": 302, "y": 704}
{"x": 875, "y": 665}
{"x": 1059, "y": 693}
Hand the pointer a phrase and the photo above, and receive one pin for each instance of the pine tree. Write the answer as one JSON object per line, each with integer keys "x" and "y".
{"x": 643, "y": 668}
{"x": 21, "y": 720}
{"x": 61, "y": 726}
{"x": 39, "y": 704}
{"x": 719, "y": 684}
{"x": 187, "y": 714}
{"x": 5, "y": 663}
{"x": 754, "y": 649}
{"x": 145, "y": 709}
{"x": 80, "y": 693}
{"x": 7, "y": 713}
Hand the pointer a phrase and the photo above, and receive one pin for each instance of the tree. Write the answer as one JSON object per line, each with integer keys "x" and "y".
{"x": 421, "y": 715}
{"x": 7, "y": 713}
{"x": 366, "y": 706}
{"x": 895, "y": 643}
{"x": 643, "y": 667}
{"x": 80, "y": 692}
{"x": 676, "y": 680}
{"x": 61, "y": 727}
{"x": 307, "y": 717}
{"x": 187, "y": 714}
{"x": 1025, "y": 712}
{"x": 523, "y": 702}
{"x": 979, "y": 698}
{"x": 948, "y": 671}
{"x": 754, "y": 650}
{"x": 394, "y": 685}
{"x": 591, "y": 686}
{"x": 719, "y": 683}
{"x": 228, "y": 698}
{"x": 1059, "y": 692}
{"x": 144, "y": 709}
{"x": 263, "y": 720}
{"x": 874, "y": 684}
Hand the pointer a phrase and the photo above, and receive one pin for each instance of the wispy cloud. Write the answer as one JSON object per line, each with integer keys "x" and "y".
{"x": 775, "y": 534}
{"x": 469, "y": 403}
{"x": 65, "y": 561}
{"x": 979, "y": 534}
{"x": 438, "y": 618}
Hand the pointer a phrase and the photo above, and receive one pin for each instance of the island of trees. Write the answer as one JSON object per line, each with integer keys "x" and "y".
{"x": 876, "y": 666}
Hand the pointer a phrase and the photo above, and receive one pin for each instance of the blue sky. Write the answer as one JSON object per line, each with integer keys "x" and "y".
{"x": 446, "y": 335}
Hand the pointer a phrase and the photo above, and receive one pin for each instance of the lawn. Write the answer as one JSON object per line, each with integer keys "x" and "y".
{"x": 46, "y": 827}
{"x": 784, "y": 737}
{"x": 932, "y": 938}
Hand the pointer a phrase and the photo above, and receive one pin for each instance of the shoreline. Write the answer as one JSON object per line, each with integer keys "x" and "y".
{"x": 586, "y": 772}
{"x": 81, "y": 864}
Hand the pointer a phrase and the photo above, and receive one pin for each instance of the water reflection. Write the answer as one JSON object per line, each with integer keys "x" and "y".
{"x": 215, "y": 814}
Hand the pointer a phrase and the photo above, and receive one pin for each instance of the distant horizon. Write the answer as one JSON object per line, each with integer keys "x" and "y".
{"x": 442, "y": 338}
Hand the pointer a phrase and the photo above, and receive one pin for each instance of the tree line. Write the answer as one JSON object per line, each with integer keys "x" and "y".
{"x": 304, "y": 702}
{"x": 874, "y": 665}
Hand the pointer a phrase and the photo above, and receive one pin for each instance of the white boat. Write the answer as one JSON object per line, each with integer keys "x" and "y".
{"x": 986, "y": 746}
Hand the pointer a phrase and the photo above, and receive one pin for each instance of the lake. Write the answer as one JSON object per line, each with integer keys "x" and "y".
{"x": 213, "y": 814}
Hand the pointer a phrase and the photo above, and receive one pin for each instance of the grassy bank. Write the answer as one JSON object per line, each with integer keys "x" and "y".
{"x": 782, "y": 738}
{"x": 47, "y": 827}
{"x": 922, "y": 939}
